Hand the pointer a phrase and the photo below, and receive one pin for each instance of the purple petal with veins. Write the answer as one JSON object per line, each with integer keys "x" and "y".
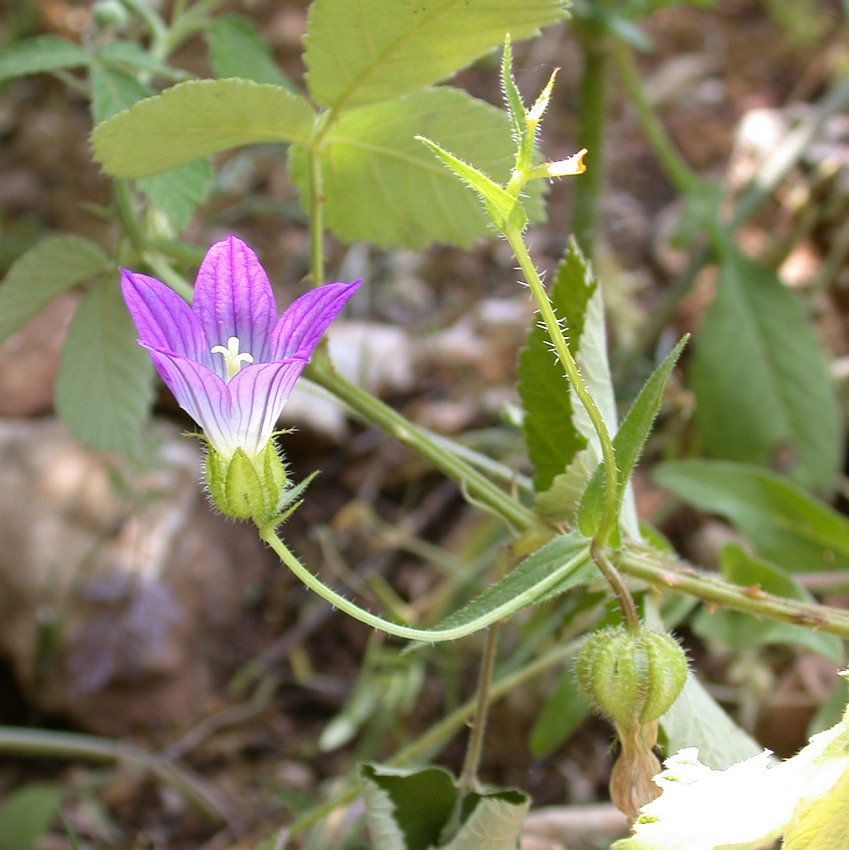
{"x": 229, "y": 361}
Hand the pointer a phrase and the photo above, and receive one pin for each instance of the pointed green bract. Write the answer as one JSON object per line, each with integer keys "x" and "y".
{"x": 39, "y": 55}
{"x": 195, "y": 119}
{"x": 502, "y": 207}
{"x": 104, "y": 388}
{"x": 55, "y": 264}
{"x": 763, "y": 388}
{"x": 364, "y": 52}
{"x": 383, "y": 186}
{"x": 787, "y": 525}
{"x": 628, "y": 443}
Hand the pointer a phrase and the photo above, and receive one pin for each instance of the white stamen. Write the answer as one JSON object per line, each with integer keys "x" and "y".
{"x": 232, "y": 358}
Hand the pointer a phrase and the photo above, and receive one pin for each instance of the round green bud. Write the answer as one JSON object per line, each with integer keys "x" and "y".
{"x": 110, "y": 14}
{"x": 245, "y": 488}
{"x": 632, "y": 677}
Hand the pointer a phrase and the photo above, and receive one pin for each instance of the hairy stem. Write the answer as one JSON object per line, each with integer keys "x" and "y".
{"x": 555, "y": 332}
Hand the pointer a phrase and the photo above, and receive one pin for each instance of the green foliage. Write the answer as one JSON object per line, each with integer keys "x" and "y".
{"x": 758, "y": 372}
{"x": 382, "y": 185}
{"x": 562, "y": 714}
{"x": 628, "y": 443}
{"x": 197, "y": 118}
{"x": 550, "y": 431}
{"x": 41, "y": 54}
{"x": 786, "y": 525}
{"x": 104, "y": 387}
{"x": 739, "y": 630}
{"x": 696, "y": 720}
{"x": 423, "y": 810}
{"x": 236, "y": 49}
{"x": 26, "y": 814}
{"x": 54, "y": 265}
{"x": 358, "y": 54}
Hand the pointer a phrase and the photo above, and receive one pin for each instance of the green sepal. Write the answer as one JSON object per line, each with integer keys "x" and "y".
{"x": 503, "y": 208}
{"x": 246, "y": 488}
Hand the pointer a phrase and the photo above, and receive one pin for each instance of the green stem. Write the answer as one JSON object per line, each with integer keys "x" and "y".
{"x": 374, "y": 411}
{"x": 685, "y": 179}
{"x": 668, "y": 573}
{"x": 316, "y": 217}
{"x": 592, "y": 121}
{"x": 620, "y": 589}
{"x": 507, "y": 608}
{"x": 67, "y": 745}
{"x": 428, "y": 744}
{"x": 571, "y": 369}
{"x": 468, "y": 782}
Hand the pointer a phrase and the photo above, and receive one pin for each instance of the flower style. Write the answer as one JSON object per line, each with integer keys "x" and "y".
{"x": 230, "y": 362}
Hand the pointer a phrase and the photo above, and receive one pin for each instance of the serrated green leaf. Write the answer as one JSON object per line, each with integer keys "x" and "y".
{"x": 358, "y": 53}
{"x": 236, "y": 49}
{"x": 561, "y": 715}
{"x": 26, "y": 814}
{"x": 759, "y": 373}
{"x": 413, "y": 810}
{"x": 734, "y": 628}
{"x": 628, "y": 443}
{"x": 491, "y": 821}
{"x": 696, "y": 720}
{"x": 382, "y": 186}
{"x": 407, "y": 810}
{"x": 552, "y": 438}
{"x": 555, "y": 566}
{"x": 39, "y": 55}
{"x": 197, "y": 118}
{"x": 560, "y": 501}
{"x": 55, "y": 264}
{"x": 178, "y": 191}
{"x": 104, "y": 388}
{"x": 786, "y": 525}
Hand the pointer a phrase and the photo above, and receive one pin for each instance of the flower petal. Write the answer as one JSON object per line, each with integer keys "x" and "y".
{"x": 164, "y": 320}
{"x": 233, "y": 298}
{"x": 202, "y": 394}
{"x": 307, "y": 318}
{"x": 258, "y": 394}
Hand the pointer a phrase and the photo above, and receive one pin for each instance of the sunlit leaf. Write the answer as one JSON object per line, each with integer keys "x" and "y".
{"x": 363, "y": 52}
{"x": 197, "y": 118}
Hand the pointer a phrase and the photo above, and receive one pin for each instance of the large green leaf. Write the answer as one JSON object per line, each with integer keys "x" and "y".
{"x": 415, "y": 810}
{"x": 382, "y": 185}
{"x": 365, "y": 51}
{"x": 40, "y": 54}
{"x": 740, "y": 630}
{"x": 696, "y": 720}
{"x": 787, "y": 525}
{"x": 763, "y": 388}
{"x": 26, "y": 814}
{"x": 104, "y": 388}
{"x": 628, "y": 443}
{"x": 550, "y": 433}
{"x": 178, "y": 191}
{"x": 55, "y": 264}
{"x": 238, "y": 50}
{"x": 197, "y": 118}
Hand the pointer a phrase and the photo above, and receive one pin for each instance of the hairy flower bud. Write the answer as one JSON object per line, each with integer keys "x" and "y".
{"x": 246, "y": 488}
{"x": 632, "y": 677}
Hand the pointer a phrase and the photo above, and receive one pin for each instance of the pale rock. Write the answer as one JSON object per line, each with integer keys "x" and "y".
{"x": 140, "y": 583}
